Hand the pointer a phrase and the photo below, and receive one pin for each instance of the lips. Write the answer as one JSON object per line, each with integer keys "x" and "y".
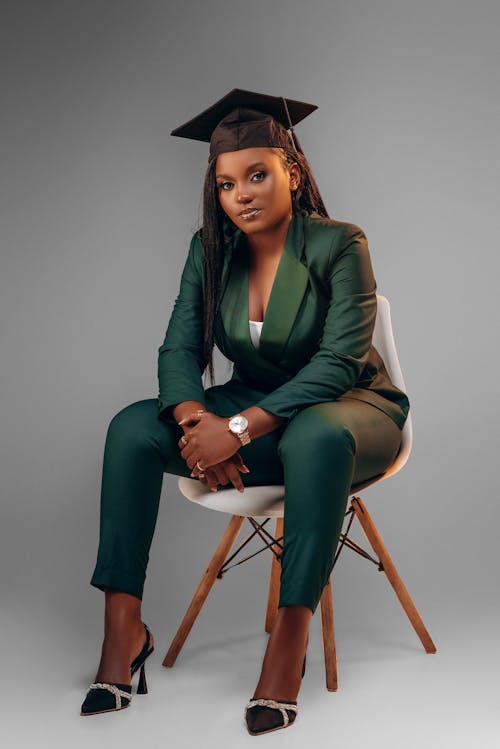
{"x": 250, "y": 212}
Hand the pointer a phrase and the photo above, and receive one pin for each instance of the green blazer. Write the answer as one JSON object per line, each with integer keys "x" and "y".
{"x": 316, "y": 339}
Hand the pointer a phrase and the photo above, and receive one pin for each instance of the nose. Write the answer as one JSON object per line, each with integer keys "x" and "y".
{"x": 243, "y": 196}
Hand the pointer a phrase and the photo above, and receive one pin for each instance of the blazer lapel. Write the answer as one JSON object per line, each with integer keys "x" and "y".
{"x": 287, "y": 293}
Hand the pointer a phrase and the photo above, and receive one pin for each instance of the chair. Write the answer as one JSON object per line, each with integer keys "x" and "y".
{"x": 265, "y": 502}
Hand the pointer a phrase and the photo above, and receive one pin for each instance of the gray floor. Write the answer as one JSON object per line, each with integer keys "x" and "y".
{"x": 392, "y": 694}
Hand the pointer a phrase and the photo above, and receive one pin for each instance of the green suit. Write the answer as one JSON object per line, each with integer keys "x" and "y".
{"x": 315, "y": 343}
{"x": 316, "y": 367}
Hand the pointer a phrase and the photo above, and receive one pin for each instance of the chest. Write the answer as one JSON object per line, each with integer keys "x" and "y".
{"x": 261, "y": 277}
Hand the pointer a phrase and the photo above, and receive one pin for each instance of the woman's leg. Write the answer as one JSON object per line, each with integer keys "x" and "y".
{"x": 138, "y": 449}
{"x": 324, "y": 449}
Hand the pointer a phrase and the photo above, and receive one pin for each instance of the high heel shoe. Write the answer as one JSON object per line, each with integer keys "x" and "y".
{"x": 105, "y": 697}
{"x": 281, "y": 714}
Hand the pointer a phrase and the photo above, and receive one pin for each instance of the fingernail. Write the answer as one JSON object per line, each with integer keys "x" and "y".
{"x": 192, "y": 475}
{"x": 213, "y": 489}
{"x": 247, "y": 469}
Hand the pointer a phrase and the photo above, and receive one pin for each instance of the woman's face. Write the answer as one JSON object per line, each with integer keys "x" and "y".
{"x": 255, "y": 180}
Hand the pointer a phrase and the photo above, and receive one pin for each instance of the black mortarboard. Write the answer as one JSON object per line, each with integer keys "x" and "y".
{"x": 245, "y": 119}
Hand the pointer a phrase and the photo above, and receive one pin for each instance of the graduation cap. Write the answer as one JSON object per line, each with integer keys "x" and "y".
{"x": 245, "y": 119}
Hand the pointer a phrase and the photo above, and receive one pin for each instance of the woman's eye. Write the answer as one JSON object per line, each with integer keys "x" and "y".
{"x": 223, "y": 185}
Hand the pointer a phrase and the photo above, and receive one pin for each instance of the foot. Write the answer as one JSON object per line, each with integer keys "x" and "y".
{"x": 123, "y": 641}
{"x": 281, "y": 674}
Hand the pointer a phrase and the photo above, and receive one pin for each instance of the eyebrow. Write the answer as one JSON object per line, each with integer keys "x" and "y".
{"x": 248, "y": 169}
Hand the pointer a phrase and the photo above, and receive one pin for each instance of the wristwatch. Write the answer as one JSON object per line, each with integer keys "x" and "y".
{"x": 238, "y": 424}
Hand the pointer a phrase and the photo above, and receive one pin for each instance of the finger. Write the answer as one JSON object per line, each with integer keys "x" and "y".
{"x": 189, "y": 454}
{"x": 195, "y": 468}
{"x": 202, "y": 477}
{"x": 196, "y": 464}
{"x": 183, "y": 442}
{"x": 186, "y": 419}
{"x": 194, "y": 416}
{"x": 235, "y": 478}
{"x": 221, "y": 474}
{"x": 209, "y": 480}
{"x": 240, "y": 463}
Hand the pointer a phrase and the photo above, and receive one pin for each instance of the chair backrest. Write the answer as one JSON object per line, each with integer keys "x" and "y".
{"x": 383, "y": 341}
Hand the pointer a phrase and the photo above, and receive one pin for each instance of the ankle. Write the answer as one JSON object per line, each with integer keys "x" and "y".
{"x": 123, "y": 626}
{"x": 121, "y": 609}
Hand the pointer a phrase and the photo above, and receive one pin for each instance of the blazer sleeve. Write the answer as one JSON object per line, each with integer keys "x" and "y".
{"x": 347, "y": 333}
{"x": 180, "y": 357}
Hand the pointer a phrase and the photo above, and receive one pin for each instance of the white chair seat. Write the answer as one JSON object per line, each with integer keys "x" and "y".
{"x": 256, "y": 501}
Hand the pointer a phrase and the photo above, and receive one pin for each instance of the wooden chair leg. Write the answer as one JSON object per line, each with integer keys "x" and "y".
{"x": 274, "y": 583}
{"x": 328, "y": 631}
{"x": 402, "y": 593}
{"x": 204, "y": 586}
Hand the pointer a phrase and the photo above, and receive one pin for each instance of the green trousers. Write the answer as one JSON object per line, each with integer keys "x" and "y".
{"x": 317, "y": 455}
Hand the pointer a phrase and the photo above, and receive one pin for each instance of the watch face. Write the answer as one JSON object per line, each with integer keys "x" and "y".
{"x": 238, "y": 424}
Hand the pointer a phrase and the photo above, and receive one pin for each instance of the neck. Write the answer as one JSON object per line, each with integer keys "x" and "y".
{"x": 271, "y": 242}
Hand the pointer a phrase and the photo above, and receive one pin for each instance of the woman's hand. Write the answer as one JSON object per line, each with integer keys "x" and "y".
{"x": 224, "y": 472}
{"x": 206, "y": 440}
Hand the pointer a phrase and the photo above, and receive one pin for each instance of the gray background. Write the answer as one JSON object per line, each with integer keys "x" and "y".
{"x": 98, "y": 204}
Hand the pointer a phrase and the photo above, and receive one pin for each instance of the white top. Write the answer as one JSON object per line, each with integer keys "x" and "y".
{"x": 255, "y": 330}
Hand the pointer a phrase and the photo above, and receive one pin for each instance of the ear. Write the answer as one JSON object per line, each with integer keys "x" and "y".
{"x": 294, "y": 176}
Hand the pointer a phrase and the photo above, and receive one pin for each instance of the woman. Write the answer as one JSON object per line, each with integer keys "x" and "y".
{"x": 289, "y": 296}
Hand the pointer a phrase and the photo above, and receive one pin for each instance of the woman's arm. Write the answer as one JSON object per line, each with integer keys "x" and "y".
{"x": 180, "y": 357}
{"x": 183, "y": 409}
{"x": 180, "y": 362}
{"x": 347, "y": 332}
{"x": 260, "y": 421}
